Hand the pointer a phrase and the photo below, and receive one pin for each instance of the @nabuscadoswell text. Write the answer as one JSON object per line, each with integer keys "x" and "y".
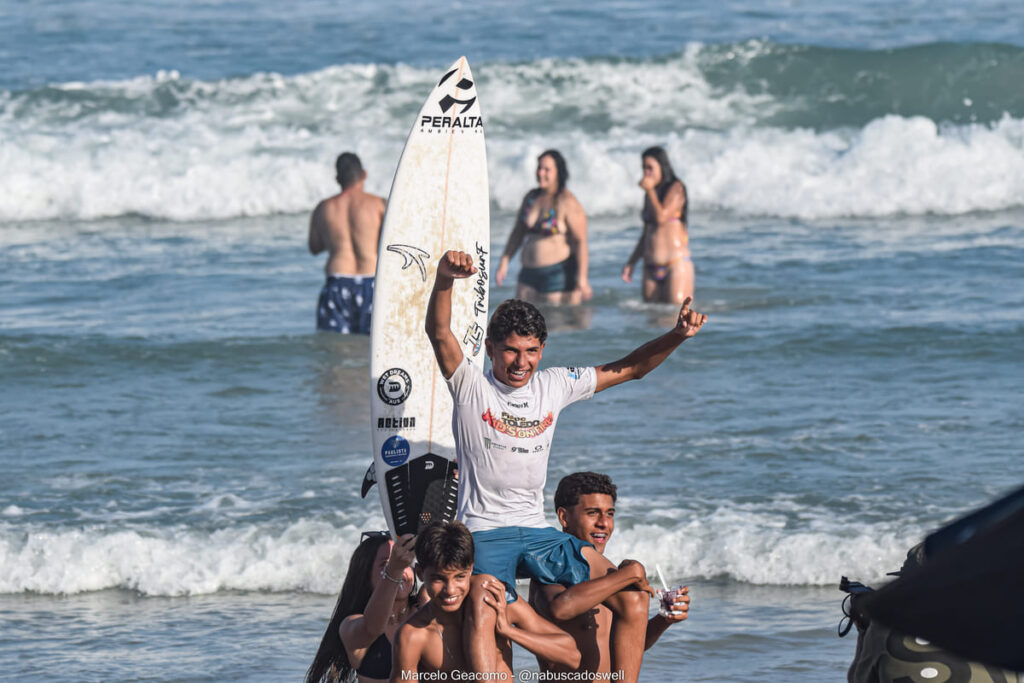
{"x": 518, "y": 676}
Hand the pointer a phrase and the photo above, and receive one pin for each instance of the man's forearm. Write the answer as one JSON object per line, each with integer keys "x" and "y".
{"x": 439, "y": 308}
{"x": 577, "y": 599}
{"x": 656, "y": 625}
{"x": 558, "y": 647}
{"x": 645, "y": 358}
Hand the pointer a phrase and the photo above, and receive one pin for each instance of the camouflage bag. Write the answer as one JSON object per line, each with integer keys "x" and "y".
{"x": 885, "y": 655}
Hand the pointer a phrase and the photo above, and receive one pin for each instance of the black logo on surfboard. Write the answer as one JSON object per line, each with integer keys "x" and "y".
{"x": 411, "y": 255}
{"x": 480, "y": 291}
{"x": 448, "y": 101}
{"x": 394, "y": 386}
{"x": 456, "y": 118}
{"x": 474, "y": 337}
{"x": 394, "y": 424}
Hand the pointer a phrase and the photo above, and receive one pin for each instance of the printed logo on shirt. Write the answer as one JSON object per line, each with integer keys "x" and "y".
{"x": 518, "y": 427}
{"x": 494, "y": 445}
{"x": 395, "y": 451}
{"x": 517, "y": 449}
{"x": 394, "y": 386}
{"x": 523, "y": 405}
{"x": 575, "y": 372}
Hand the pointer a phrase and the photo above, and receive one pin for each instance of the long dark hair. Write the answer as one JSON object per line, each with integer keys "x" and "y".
{"x": 563, "y": 170}
{"x": 668, "y": 177}
{"x": 331, "y": 660}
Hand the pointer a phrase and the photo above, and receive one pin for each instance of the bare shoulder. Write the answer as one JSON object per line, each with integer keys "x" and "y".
{"x": 570, "y": 199}
{"x": 320, "y": 207}
{"x": 414, "y": 629}
{"x": 421, "y": 618}
{"x": 350, "y": 620}
{"x": 366, "y": 204}
{"x": 572, "y": 204}
{"x": 332, "y": 205}
{"x": 530, "y": 196}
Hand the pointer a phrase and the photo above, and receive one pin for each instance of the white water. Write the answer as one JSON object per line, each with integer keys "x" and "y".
{"x": 180, "y": 149}
{"x": 747, "y": 544}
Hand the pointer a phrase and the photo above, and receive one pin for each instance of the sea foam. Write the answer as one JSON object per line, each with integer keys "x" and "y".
{"x": 312, "y": 555}
{"x": 169, "y": 147}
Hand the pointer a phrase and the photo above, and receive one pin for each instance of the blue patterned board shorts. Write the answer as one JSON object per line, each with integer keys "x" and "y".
{"x": 548, "y": 555}
{"x": 345, "y": 304}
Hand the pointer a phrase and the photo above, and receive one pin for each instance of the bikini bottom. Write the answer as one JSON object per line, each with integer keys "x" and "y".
{"x": 560, "y": 277}
{"x": 658, "y": 272}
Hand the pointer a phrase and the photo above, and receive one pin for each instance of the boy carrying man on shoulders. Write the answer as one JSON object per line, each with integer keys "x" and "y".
{"x": 585, "y": 505}
{"x": 431, "y": 641}
{"x": 503, "y": 422}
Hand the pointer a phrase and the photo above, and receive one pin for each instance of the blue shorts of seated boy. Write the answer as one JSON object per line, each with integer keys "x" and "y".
{"x": 547, "y": 554}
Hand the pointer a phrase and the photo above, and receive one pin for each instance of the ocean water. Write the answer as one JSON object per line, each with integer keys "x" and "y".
{"x": 181, "y": 454}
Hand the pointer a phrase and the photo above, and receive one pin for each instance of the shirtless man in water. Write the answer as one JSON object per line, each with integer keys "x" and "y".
{"x": 347, "y": 227}
{"x": 585, "y": 505}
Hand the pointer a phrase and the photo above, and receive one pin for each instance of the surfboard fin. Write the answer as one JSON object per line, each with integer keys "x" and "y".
{"x": 369, "y": 479}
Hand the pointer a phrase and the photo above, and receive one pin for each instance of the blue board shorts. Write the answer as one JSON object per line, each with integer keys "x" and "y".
{"x": 548, "y": 555}
{"x": 345, "y": 305}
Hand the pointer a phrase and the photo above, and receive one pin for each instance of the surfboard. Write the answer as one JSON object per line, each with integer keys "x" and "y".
{"x": 439, "y": 201}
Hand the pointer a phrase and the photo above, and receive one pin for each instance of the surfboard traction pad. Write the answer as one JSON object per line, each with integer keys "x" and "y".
{"x": 435, "y": 493}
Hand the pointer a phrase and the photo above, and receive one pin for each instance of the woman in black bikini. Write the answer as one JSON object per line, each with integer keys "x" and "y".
{"x": 551, "y": 226}
{"x": 664, "y": 242}
{"x": 375, "y": 599}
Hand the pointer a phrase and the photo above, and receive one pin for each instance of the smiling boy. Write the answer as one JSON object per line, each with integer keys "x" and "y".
{"x": 585, "y": 506}
{"x": 430, "y": 641}
{"x": 503, "y": 423}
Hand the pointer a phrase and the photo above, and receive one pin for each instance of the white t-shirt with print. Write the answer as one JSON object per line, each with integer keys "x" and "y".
{"x": 503, "y": 439}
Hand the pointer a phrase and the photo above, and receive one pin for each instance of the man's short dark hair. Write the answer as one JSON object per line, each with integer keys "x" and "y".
{"x": 349, "y": 168}
{"x": 579, "y": 484}
{"x": 519, "y": 317}
{"x": 444, "y": 545}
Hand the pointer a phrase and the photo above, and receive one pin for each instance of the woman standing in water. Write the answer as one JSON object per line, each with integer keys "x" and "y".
{"x": 551, "y": 226}
{"x": 664, "y": 242}
{"x": 375, "y": 598}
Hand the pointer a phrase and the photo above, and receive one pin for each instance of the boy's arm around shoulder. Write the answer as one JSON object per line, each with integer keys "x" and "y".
{"x": 649, "y": 356}
{"x": 566, "y": 603}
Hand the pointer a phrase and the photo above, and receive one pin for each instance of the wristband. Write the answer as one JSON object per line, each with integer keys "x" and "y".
{"x": 384, "y": 575}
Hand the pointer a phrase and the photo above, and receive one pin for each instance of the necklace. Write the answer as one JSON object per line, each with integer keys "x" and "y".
{"x": 395, "y": 618}
{"x": 443, "y": 644}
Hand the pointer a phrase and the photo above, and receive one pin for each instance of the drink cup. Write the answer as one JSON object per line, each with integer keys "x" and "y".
{"x": 668, "y": 599}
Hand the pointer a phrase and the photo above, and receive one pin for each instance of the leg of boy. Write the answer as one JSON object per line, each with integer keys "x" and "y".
{"x": 629, "y": 625}
{"x": 483, "y": 652}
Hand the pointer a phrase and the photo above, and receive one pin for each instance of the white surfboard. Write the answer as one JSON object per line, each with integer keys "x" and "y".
{"x": 439, "y": 201}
